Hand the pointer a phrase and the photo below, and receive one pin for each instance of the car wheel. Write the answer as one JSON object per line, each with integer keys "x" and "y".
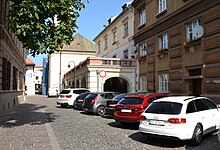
{"x": 197, "y": 135}
{"x": 101, "y": 111}
{"x": 62, "y": 105}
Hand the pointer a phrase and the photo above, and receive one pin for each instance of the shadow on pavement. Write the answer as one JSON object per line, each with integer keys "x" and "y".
{"x": 26, "y": 114}
{"x": 211, "y": 142}
{"x": 156, "y": 141}
{"x": 129, "y": 126}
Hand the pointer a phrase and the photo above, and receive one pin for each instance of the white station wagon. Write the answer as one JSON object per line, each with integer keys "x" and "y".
{"x": 181, "y": 117}
{"x": 68, "y": 96}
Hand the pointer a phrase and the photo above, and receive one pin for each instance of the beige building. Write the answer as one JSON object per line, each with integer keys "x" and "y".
{"x": 116, "y": 39}
{"x": 181, "y": 42}
{"x": 12, "y": 64}
{"x": 68, "y": 57}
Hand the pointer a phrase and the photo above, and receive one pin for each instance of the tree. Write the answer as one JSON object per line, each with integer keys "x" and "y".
{"x": 44, "y": 26}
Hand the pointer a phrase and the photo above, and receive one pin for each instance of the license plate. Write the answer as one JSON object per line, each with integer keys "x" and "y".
{"x": 126, "y": 110}
{"x": 61, "y": 96}
{"x": 80, "y": 100}
{"x": 156, "y": 122}
{"x": 85, "y": 109}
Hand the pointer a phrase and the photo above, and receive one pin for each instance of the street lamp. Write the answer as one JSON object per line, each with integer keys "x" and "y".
{"x": 73, "y": 71}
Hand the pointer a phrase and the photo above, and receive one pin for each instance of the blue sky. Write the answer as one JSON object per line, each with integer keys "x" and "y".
{"x": 92, "y": 19}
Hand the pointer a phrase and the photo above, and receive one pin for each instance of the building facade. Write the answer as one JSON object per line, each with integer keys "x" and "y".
{"x": 116, "y": 39}
{"x": 104, "y": 74}
{"x": 12, "y": 64}
{"x": 69, "y": 56}
{"x": 181, "y": 42}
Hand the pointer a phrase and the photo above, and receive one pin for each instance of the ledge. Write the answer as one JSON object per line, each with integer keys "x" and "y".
{"x": 161, "y": 13}
{"x": 192, "y": 43}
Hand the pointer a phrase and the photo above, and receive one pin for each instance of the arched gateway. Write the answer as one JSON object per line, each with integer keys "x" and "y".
{"x": 116, "y": 84}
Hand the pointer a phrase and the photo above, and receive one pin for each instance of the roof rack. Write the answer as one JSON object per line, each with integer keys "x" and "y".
{"x": 190, "y": 98}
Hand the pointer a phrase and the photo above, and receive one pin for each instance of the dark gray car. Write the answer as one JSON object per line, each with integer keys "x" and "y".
{"x": 95, "y": 102}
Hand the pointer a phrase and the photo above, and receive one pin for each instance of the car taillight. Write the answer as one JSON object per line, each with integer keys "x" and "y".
{"x": 143, "y": 118}
{"x": 68, "y": 96}
{"x": 93, "y": 100}
{"x": 177, "y": 120}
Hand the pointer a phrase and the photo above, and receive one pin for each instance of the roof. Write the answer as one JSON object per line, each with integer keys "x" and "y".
{"x": 175, "y": 98}
{"x": 29, "y": 62}
{"x": 79, "y": 43}
{"x": 38, "y": 67}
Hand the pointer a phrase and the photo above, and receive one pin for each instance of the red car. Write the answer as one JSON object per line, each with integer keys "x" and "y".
{"x": 131, "y": 107}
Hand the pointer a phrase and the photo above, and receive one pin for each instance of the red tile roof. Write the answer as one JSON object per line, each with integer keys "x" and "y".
{"x": 29, "y": 62}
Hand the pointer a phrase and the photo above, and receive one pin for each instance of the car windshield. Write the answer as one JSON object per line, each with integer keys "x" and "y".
{"x": 65, "y": 92}
{"x": 79, "y": 91}
{"x": 164, "y": 108}
{"x": 132, "y": 100}
{"x": 119, "y": 97}
{"x": 91, "y": 96}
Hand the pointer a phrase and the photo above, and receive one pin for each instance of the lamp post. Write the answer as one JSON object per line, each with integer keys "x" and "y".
{"x": 73, "y": 71}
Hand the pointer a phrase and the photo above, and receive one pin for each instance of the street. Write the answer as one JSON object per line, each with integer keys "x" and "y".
{"x": 44, "y": 125}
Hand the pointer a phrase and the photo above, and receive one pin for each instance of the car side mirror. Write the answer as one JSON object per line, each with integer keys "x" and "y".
{"x": 218, "y": 105}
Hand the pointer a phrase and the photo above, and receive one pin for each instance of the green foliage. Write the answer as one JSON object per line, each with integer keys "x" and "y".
{"x": 34, "y": 23}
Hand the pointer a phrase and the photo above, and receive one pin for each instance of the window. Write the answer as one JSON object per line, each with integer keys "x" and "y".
{"x": 106, "y": 42}
{"x": 189, "y": 30}
{"x": 114, "y": 36}
{"x": 142, "y": 17}
{"x": 162, "y": 5}
{"x": 15, "y": 79}
{"x": 163, "y": 41}
{"x": 143, "y": 49}
{"x": 143, "y": 84}
{"x": 200, "y": 106}
{"x": 126, "y": 29}
{"x": 163, "y": 83}
{"x": 126, "y": 54}
{"x": 164, "y": 108}
{"x": 99, "y": 47}
{"x": 190, "y": 108}
{"x": 6, "y": 76}
{"x": 209, "y": 104}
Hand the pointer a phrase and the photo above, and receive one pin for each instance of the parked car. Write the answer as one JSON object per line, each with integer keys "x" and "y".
{"x": 130, "y": 108}
{"x": 95, "y": 102}
{"x": 79, "y": 100}
{"x": 181, "y": 117}
{"x": 53, "y": 92}
{"x": 110, "y": 104}
{"x": 68, "y": 96}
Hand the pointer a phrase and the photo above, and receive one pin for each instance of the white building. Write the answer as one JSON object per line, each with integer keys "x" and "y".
{"x": 38, "y": 72}
{"x": 29, "y": 78}
{"x": 68, "y": 57}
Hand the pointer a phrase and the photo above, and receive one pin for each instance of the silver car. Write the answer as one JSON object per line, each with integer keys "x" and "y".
{"x": 95, "y": 102}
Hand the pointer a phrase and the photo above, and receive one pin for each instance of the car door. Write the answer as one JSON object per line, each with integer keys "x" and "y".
{"x": 213, "y": 112}
{"x": 203, "y": 114}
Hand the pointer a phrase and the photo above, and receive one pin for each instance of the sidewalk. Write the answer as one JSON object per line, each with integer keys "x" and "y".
{"x": 28, "y": 127}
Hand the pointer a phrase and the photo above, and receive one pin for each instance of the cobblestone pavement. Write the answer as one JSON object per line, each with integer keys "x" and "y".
{"x": 40, "y": 124}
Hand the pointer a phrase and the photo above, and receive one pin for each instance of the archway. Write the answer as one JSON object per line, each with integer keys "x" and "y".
{"x": 116, "y": 84}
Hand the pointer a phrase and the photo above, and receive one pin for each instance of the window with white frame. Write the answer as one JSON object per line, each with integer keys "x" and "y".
{"x": 143, "y": 84}
{"x": 143, "y": 49}
{"x": 142, "y": 17}
{"x": 162, "y": 5}
{"x": 114, "y": 36}
{"x": 163, "y": 41}
{"x": 189, "y": 30}
{"x": 163, "y": 83}
{"x": 106, "y": 42}
{"x": 125, "y": 54}
{"x": 126, "y": 29}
